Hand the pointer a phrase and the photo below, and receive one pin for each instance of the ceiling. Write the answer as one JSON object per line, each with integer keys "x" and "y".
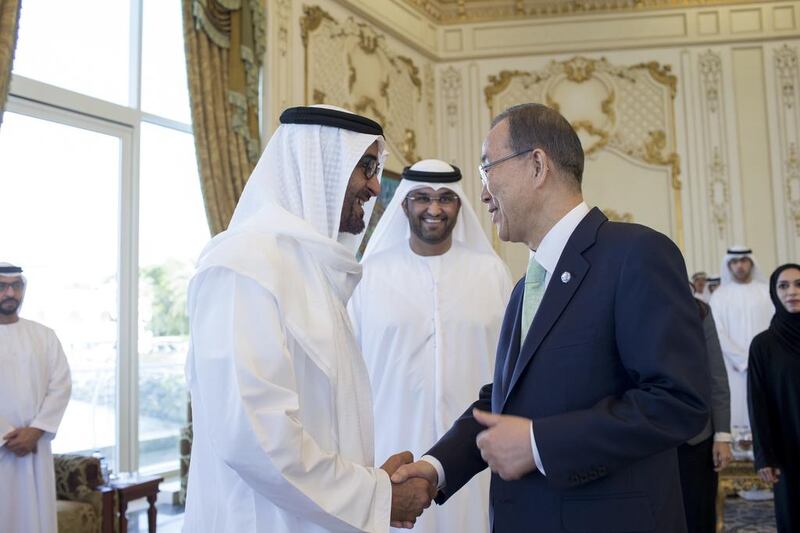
{"x": 461, "y": 11}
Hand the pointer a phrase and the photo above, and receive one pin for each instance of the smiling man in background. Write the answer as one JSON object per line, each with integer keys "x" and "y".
{"x": 427, "y": 316}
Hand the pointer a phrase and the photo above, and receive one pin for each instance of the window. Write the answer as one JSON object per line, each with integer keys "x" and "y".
{"x": 70, "y": 260}
{"x": 172, "y": 231}
{"x": 96, "y": 147}
{"x": 59, "y": 44}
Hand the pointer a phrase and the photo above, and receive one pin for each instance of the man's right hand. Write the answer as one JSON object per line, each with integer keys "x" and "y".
{"x": 769, "y": 474}
{"x": 421, "y": 469}
{"x": 409, "y": 499}
{"x": 419, "y": 476}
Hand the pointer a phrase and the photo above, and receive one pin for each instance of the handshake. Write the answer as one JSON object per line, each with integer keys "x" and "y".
{"x": 414, "y": 485}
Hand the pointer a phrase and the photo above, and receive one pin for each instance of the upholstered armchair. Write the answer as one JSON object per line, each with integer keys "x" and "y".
{"x": 84, "y": 504}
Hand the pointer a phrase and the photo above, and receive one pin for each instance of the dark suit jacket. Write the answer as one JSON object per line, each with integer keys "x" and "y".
{"x": 614, "y": 375}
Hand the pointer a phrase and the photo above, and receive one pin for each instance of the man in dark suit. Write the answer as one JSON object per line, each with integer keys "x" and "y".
{"x": 600, "y": 371}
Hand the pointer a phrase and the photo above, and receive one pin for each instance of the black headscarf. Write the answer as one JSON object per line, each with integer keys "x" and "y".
{"x": 785, "y": 325}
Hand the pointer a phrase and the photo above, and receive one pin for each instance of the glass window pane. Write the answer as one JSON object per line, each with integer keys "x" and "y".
{"x": 164, "y": 87}
{"x": 59, "y": 222}
{"x": 172, "y": 232}
{"x": 81, "y": 46}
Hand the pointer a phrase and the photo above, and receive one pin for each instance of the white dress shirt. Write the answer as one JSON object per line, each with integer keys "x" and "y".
{"x": 547, "y": 254}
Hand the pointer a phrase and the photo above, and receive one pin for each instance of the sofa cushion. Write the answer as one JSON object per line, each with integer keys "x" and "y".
{"x": 76, "y": 517}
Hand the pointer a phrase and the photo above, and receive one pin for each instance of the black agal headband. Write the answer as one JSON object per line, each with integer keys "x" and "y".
{"x": 432, "y": 177}
{"x": 322, "y": 116}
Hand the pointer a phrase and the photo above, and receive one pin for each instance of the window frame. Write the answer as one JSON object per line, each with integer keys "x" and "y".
{"x": 51, "y": 103}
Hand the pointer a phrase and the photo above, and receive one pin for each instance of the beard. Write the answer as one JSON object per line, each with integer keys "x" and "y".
{"x": 352, "y": 220}
{"x": 432, "y": 235}
{"x": 9, "y": 306}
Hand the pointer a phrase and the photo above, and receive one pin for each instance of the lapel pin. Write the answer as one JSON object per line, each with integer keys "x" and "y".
{"x": 565, "y": 277}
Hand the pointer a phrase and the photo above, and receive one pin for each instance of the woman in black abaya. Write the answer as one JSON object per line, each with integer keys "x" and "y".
{"x": 774, "y": 397}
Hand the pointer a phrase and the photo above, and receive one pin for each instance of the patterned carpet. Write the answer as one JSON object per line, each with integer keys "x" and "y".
{"x": 742, "y": 516}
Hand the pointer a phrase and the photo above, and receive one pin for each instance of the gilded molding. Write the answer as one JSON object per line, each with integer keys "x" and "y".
{"x": 350, "y": 64}
{"x": 710, "y": 70}
{"x": 580, "y": 70}
{"x": 284, "y": 13}
{"x": 628, "y": 109}
{"x": 718, "y": 191}
{"x": 662, "y": 74}
{"x": 654, "y": 154}
{"x": 451, "y": 93}
{"x": 413, "y": 72}
{"x": 430, "y": 93}
{"x": 461, "y": 11}
{"x": 591, "y": 129}
{"x": 792, "y": 185}
{"x": 311, "y": 20}
{"x": 409, "y": 146}
{"x": 787, "y": 75}
{"x": 710, "y": 66}
{"x": 615, "y": 216}
{"x": 500, "y": 82}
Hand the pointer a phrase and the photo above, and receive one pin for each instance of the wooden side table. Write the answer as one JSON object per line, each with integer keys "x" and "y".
{"x": 133, "y": 489}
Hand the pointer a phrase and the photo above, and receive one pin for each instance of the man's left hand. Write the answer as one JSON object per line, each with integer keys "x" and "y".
{"x": 506, "y": 444}
{"x": 722, "y": 455}
{"x": 22, "y": 441}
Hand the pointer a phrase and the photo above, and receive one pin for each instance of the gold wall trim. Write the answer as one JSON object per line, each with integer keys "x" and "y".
{"x": 473, "y": 11}
{"x": 655, "y": 145}
{"x": 311, "y": 20}
{"x": 615, "y": 216}
{"x": 349, "y": 63}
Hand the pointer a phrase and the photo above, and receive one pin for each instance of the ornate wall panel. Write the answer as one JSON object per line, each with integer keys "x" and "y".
{"x": 715, "y": 167}
{"x": 451, "y": 87}
{"x": 349, "y": 64}
{"x": 625, "y": 118}
{"x": 787, "y": 76}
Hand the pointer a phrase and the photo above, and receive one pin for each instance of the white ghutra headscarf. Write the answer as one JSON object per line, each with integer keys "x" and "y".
{"x": 284, "y": 236}
{"x": 12, "y": 271}
{"x": 393, "y": 226}
{"x": 736, "y": 252}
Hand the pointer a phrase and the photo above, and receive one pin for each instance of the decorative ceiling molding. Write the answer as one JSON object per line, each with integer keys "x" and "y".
{"x": 461, "y": 11}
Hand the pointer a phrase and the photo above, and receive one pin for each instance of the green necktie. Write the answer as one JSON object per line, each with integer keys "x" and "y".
{"x": 534, "y": 291}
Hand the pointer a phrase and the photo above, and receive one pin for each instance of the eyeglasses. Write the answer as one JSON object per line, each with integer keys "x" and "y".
{"x": 484, "y": 167}
{"x": 16, "y": 285}
{"x": 422, "y": 199}
{"x": 370, "y": 165}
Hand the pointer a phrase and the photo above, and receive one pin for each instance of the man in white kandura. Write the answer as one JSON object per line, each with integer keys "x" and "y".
{"x": 281, "y": 402}
{"x": 427, "y": 315}
{"x": 34, "y": 392}
{"x": 742, "y": 309}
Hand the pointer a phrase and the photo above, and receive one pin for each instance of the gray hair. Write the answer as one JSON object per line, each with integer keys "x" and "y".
{"x": 537, "y": 126}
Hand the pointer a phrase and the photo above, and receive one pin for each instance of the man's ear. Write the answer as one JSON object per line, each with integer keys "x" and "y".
{"x": 539, "y": 165}
{"x": 404, "y": 203}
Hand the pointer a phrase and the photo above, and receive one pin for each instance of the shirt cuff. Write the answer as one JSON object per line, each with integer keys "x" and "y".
{"x": 721, "y": 436}
{"x": 536, "y": 458}
{"x": 434, "y": 462}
